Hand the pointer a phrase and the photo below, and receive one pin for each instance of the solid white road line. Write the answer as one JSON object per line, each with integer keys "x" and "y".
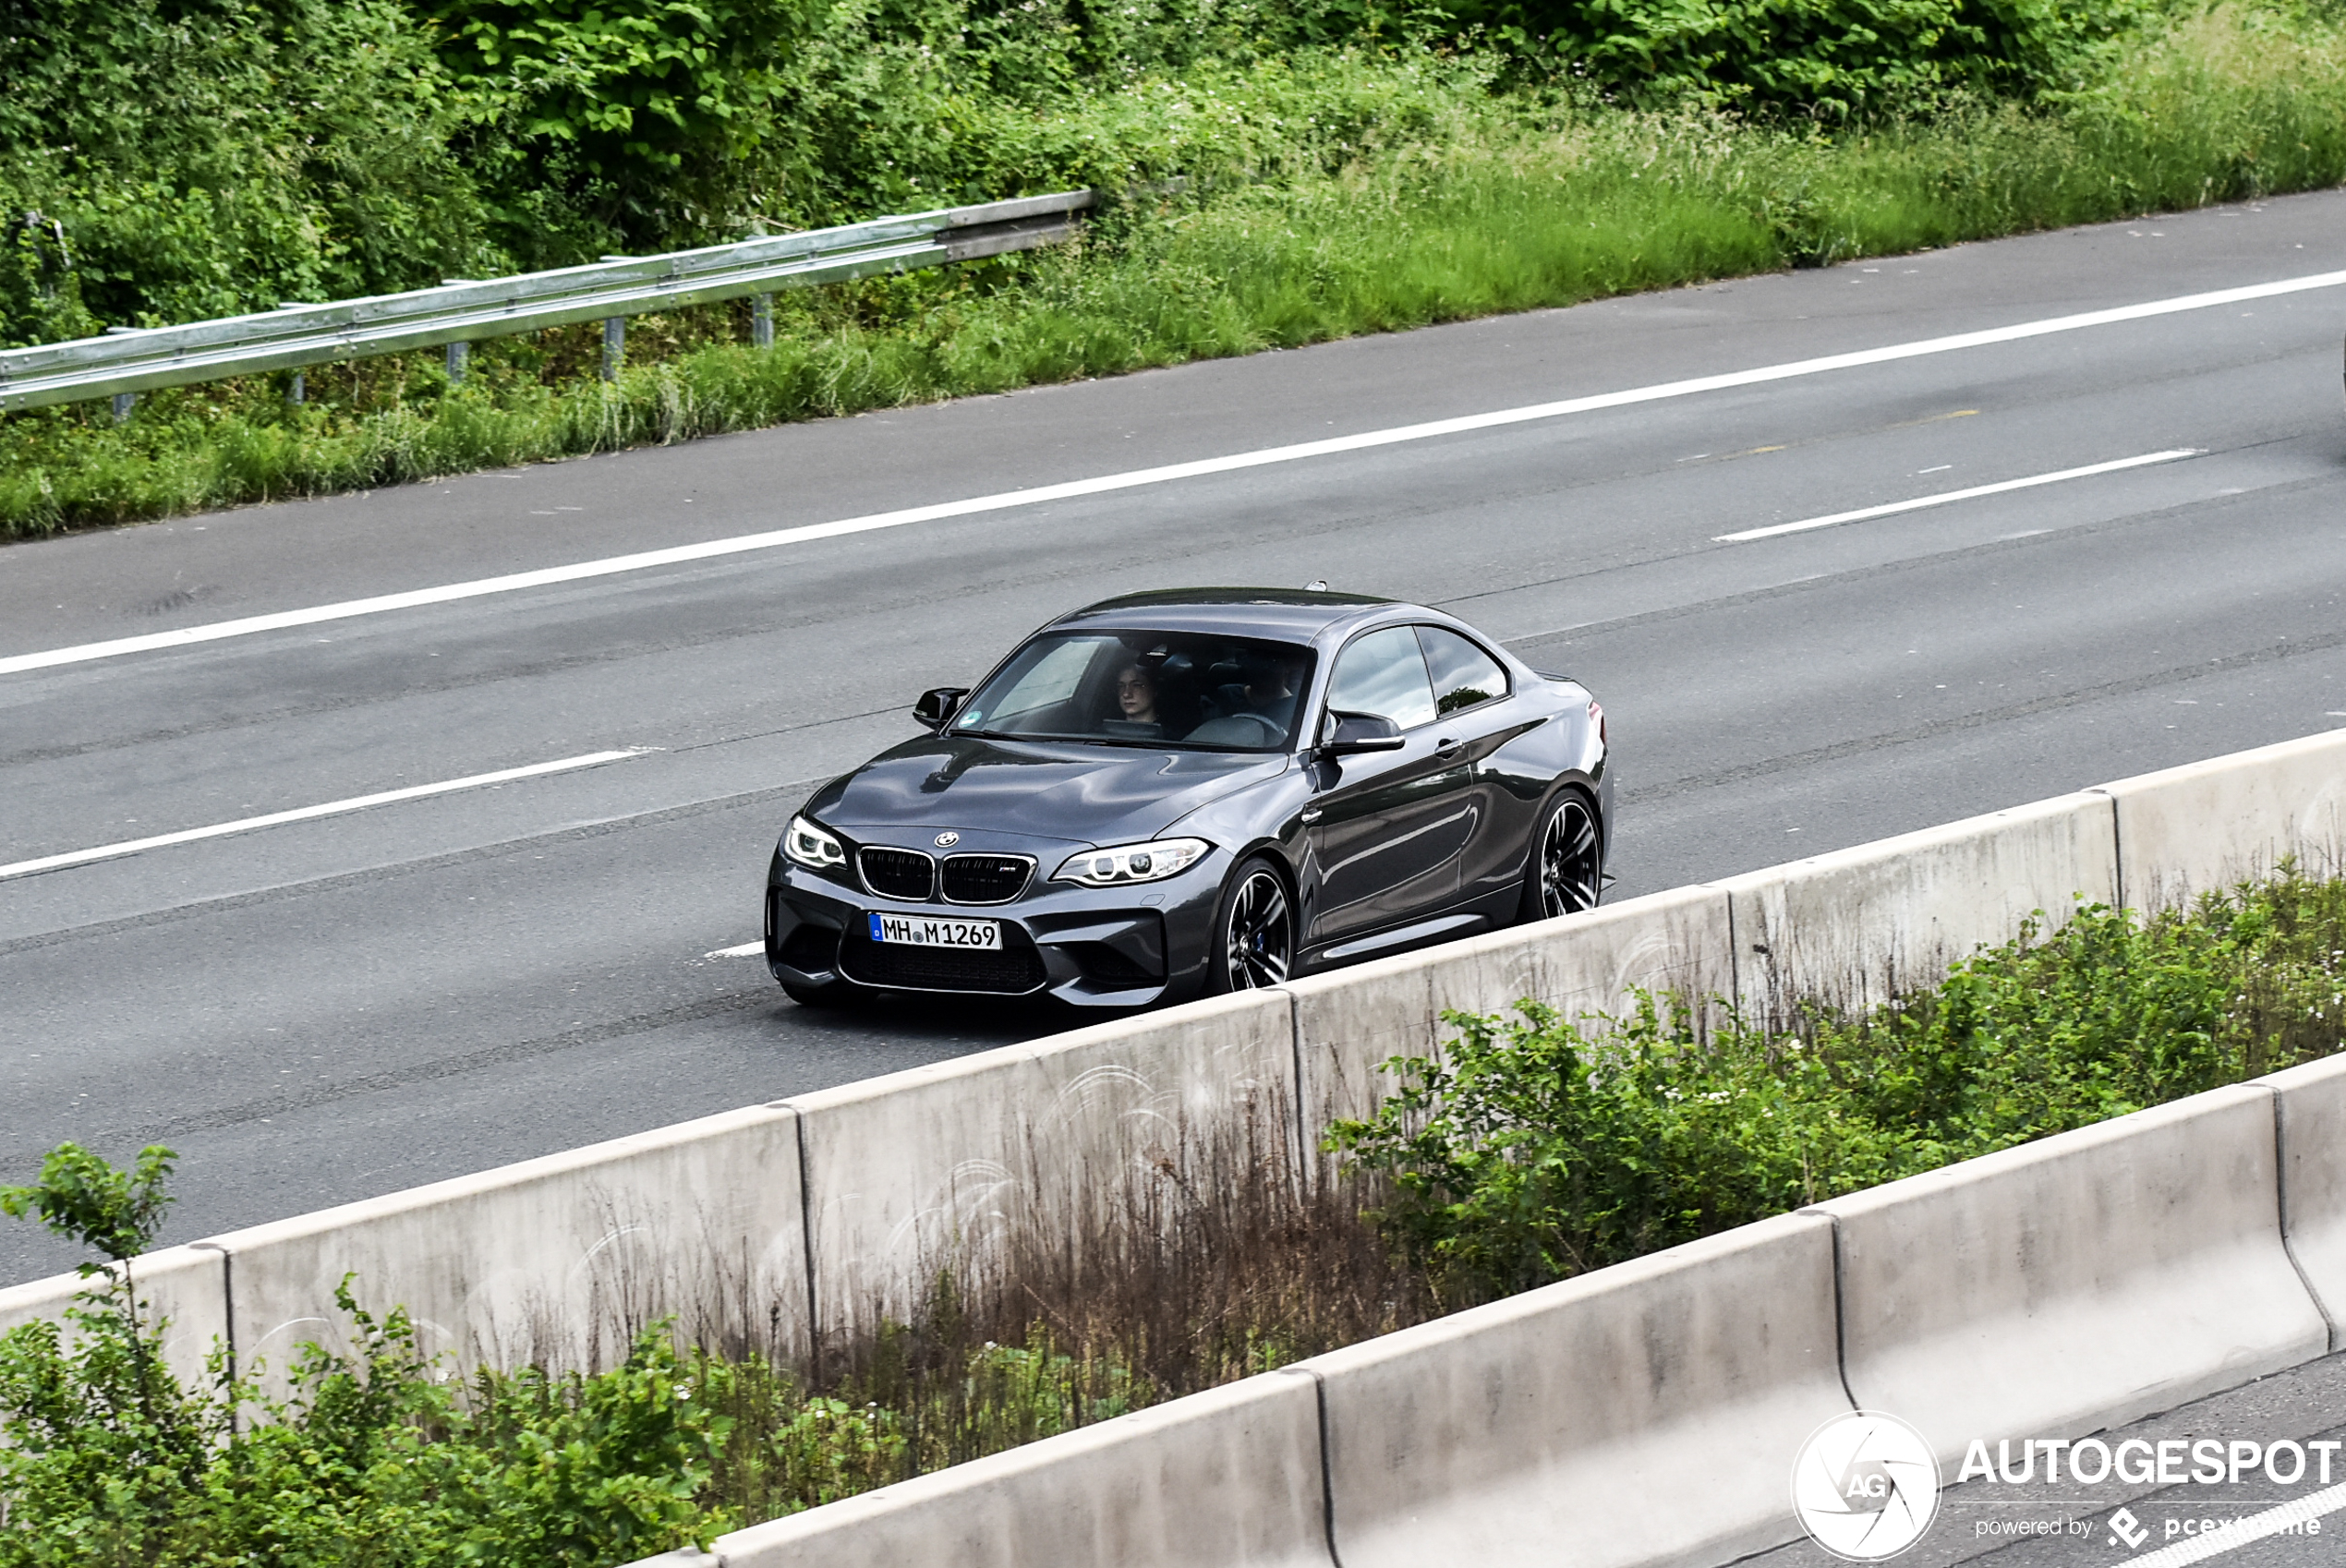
{"x": 746, "y": 950}
{"x": 2289, "y": 1517}
{"x": 710, "y": 550}
{"x": 304, "y": 813}
{"x": 1894, "y": 508}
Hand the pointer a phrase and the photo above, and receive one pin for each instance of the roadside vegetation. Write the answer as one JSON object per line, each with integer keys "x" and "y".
{"x": 1280, "y": 172}
{"x": 1531, "y": 1151}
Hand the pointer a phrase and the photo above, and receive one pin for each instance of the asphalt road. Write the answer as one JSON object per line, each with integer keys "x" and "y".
{"x": 321, "y": 1011}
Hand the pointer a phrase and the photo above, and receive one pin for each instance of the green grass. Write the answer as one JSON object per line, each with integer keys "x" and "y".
{"x": 1466, "y": 203}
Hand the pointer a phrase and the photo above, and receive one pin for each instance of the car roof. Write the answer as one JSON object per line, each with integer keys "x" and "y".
{"x": 1291, "y": 614}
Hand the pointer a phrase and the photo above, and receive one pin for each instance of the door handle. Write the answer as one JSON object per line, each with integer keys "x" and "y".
{"x": 1310, "y": 815}
{"x": 1446, "y": 745}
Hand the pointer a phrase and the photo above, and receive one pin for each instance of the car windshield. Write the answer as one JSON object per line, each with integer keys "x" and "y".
{"x": 1183, "y": 689}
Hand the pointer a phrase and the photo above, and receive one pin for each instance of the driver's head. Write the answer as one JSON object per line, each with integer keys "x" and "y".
{"x": 1136, "y": 694}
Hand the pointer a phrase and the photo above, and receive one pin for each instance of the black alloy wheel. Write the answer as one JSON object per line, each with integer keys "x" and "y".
{"x": 1256, "y": 934}
{"x": 1567, "y": 873}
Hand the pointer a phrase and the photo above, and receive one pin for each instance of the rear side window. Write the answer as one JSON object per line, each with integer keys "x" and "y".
{"x": 1384, "y": 673}
{"x": 1463, "y": 674}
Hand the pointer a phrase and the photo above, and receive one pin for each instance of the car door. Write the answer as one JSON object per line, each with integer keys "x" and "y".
{"x": 1474, "y": 704}
{"x": 1389, "y": 826}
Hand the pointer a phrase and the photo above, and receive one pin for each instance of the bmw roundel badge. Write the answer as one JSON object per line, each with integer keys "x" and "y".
{"x": 947, "y": 841}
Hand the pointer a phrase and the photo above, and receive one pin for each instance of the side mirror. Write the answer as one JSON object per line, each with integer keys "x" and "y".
{"x": 1347, "y": 734}
{"x": 938, "y": 705}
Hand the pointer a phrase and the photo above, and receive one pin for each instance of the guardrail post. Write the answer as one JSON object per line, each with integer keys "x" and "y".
{"x": 297, "y": 390}
{"x": 122, "y": 405}
{"x": 761, "y": 320}
{"x": 614, "y": 346}
{"x": 456, "y": 356}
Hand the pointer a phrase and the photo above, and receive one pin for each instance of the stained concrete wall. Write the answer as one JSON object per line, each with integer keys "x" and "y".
{"x": 1860, "y": 924}
{"x": 2076, "y": 1283}
{"x": 2185, "y": 830}
{"x": 947, "y": 1167}
{"x": 186, "y": 1287}
{"x": 560, "y": 1260}
{"x": 1229, "y": 1478}
{"x": 1645, "y": 1413}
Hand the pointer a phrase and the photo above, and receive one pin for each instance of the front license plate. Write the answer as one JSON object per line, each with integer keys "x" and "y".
{"x": 919, "y": 931}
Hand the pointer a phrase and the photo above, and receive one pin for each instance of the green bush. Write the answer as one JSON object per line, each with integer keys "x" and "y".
{"x": 1534, "y": 1150}
{"x": 171, "y": 160}
{"x": 1411, "y": 196}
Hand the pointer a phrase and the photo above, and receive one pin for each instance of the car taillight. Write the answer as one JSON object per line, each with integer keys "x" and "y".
{"x": 1596, "y": 713}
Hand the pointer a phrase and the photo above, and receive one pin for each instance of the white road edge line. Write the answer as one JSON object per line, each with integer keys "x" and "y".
{"x": 713, "y": 548}
{"x": 305, "y": 814}
{"x": 2242, "y": 1532}
{"x": 1894, "y": 508}
{"x": 746, "y": 950}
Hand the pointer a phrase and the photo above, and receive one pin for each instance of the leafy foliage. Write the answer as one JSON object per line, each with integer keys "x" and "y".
{"x": 1533, "y": 1149}
{"x": 83, "y": 1198}
{"x": 171, "y": 160}
{"x": 1356, "y": 194}
{"x": 1833, "y": 58}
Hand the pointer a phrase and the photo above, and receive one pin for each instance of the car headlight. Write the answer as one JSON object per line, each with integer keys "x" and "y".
{"x": 1152, "y": 861}
{"x": 811, "y": 847}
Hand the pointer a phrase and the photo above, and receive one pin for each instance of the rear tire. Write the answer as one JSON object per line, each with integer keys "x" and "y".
{"x": 1253, "y": 929}
{"x": 1566, "y": 872}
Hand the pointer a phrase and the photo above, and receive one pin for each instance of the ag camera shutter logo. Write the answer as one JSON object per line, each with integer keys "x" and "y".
{"x": 1866, "y": 1486}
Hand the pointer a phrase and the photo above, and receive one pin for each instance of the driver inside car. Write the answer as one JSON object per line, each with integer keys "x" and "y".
{"x": 1136, "y": 718}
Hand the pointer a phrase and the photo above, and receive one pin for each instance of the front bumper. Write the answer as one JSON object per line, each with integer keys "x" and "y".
{"x": 1127, "y": 946}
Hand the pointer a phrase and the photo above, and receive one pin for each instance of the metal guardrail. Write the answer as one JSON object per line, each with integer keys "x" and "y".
{"x": 129, "y": 360}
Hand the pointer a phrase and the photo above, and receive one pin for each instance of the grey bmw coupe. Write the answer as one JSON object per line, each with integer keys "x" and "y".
{"x": 1179, "y": 793}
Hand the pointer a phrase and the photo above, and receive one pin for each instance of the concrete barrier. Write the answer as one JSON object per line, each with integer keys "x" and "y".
{"x": 1228, "y": 1478}
{"x": 2310, "y": 1103}
{"x": 949, "y": 1166}
{"x": 1348, "y": 1022}
{"x": 1859, "y": 926}
{"x": 2077, "y": 1283}
{"x": 2186, "y": 830}
{"x": 186, "y": 1286}
{"x": 1647, "y": 1412}
{"x": 559, "y": 1260}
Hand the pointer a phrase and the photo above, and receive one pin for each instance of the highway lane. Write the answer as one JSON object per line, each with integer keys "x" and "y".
{"x": 325, "y": 1010}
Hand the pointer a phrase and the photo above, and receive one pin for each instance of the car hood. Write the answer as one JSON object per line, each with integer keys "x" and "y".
{"x": 1075, "y": 794}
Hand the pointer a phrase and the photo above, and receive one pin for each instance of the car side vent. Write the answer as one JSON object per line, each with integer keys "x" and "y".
{"x": 899, "y": 873}
{"x": 985, "y": 879}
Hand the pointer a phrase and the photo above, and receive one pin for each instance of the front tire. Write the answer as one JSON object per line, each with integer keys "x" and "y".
{"x": 1253, "y": 929}
{"x": 1566, "y": 872}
